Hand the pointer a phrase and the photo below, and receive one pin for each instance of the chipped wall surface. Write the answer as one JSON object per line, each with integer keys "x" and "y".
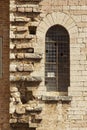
{"x": 31, "y": 105}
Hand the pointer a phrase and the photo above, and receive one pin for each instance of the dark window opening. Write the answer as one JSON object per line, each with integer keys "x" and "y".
{"x": 57, "y": 59}
{"x": 22, "y": 127}
{"x": 32, "y": 30}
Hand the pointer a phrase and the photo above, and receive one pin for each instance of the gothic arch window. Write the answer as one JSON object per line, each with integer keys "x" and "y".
{"x": 57, "y": 59}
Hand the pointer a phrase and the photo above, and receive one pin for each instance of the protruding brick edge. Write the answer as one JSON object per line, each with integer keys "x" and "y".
{"x": 15, "y": 78}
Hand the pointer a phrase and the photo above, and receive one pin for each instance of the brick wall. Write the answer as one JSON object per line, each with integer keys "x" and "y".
{"x": 4, "y": 80}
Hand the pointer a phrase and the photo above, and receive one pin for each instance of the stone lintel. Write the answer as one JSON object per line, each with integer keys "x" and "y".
{"x": 57, "y": 98}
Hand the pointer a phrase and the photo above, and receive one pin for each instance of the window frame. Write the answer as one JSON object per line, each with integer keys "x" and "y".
{"x": 68, "y": 41}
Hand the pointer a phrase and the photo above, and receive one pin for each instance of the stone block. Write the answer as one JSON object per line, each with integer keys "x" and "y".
{"x": 79, "y": 98}
{"x": 12, "y": 99}
{"x": 20, "y": 55}
{"x": 20, "y": 109}
{"x": 21, "y": 29}
{"x": 24, "y": 45}
{"x": 11, "y": 17}
{"x": 22, "y": 19}
{"x": 33, "y": 56}
{"x": 12, "y": 121}
{"x": 75, "y": 117}
{"x": 12, "y": 46}
{"x": 13, "y": 68}
{"x": 24, "y": 67}
{"x": 34, "y": 79}
{"x": 13, "y": 8}
{"x": 73, "y": 93}
{"x": 20, "y": 36}
{"x": 15, "y": 94}
{"x": 79, "y": 112}
{"x": 20, "y": 67}
{"x": 18, "y": 100}
{"x": 35, "y": 109}
{"x": 36, "y": 10}
{"x": 75, "y": 72}
{"x": 82, "y": 2}
{"x": 12, "y": 56}
{"x": 28, "y": 78}
{"x": 38, "y": 117}
{"x": 28, "y": 67}
{"x": 12, "y": 108}
{"x": 21, "y": 9}
{"x": 85, "y": 83}
{"x": 63, "y": 2}
{"x": 33, "y": 125}
{"x": 23, "y": 119}
{"x": 73, "y": 2}
{"x": 13, "y": 89}
{"x": 84, "y": 72}
{"x": 77, "y": 84}
{"x": 27, "y": 9}
{"x": 84, "y": 18}
{"x": 56, "y": 98}
{"x": 12, "y": 35}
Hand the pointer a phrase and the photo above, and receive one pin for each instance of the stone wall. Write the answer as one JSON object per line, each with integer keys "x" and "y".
{"x": 30, "y": 103}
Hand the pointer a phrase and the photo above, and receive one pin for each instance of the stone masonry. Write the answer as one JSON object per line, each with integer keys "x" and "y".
{"x": 32, "y": 107}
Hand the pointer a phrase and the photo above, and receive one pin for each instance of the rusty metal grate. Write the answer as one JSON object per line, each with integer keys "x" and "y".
{"x": 57, "y": 60}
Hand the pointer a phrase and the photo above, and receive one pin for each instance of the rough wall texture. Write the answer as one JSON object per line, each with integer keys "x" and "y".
{"x": 4, "y": 77}
{"x": 31, "y": 106}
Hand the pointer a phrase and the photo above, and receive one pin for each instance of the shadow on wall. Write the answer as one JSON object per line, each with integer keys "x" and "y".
{"x": 28, "y": 1}
{"x": 22, "y": 127}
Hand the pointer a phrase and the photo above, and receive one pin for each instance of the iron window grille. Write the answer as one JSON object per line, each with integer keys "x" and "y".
{"x": 57, "y": 59}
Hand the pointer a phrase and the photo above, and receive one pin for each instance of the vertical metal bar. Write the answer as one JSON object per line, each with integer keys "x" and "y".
{"x": 57, "y": 39}
{"x": 57, "y": 64}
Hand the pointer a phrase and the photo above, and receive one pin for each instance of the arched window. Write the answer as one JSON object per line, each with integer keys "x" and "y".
{"x": 57, "y": 59}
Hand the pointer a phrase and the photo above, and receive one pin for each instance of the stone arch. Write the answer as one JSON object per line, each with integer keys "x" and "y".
{"x": 57, "y": 56}
{"x": 57, "y": 18}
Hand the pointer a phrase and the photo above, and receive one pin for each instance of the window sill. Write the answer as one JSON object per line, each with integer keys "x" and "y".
{"x": 56, "y": 98}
